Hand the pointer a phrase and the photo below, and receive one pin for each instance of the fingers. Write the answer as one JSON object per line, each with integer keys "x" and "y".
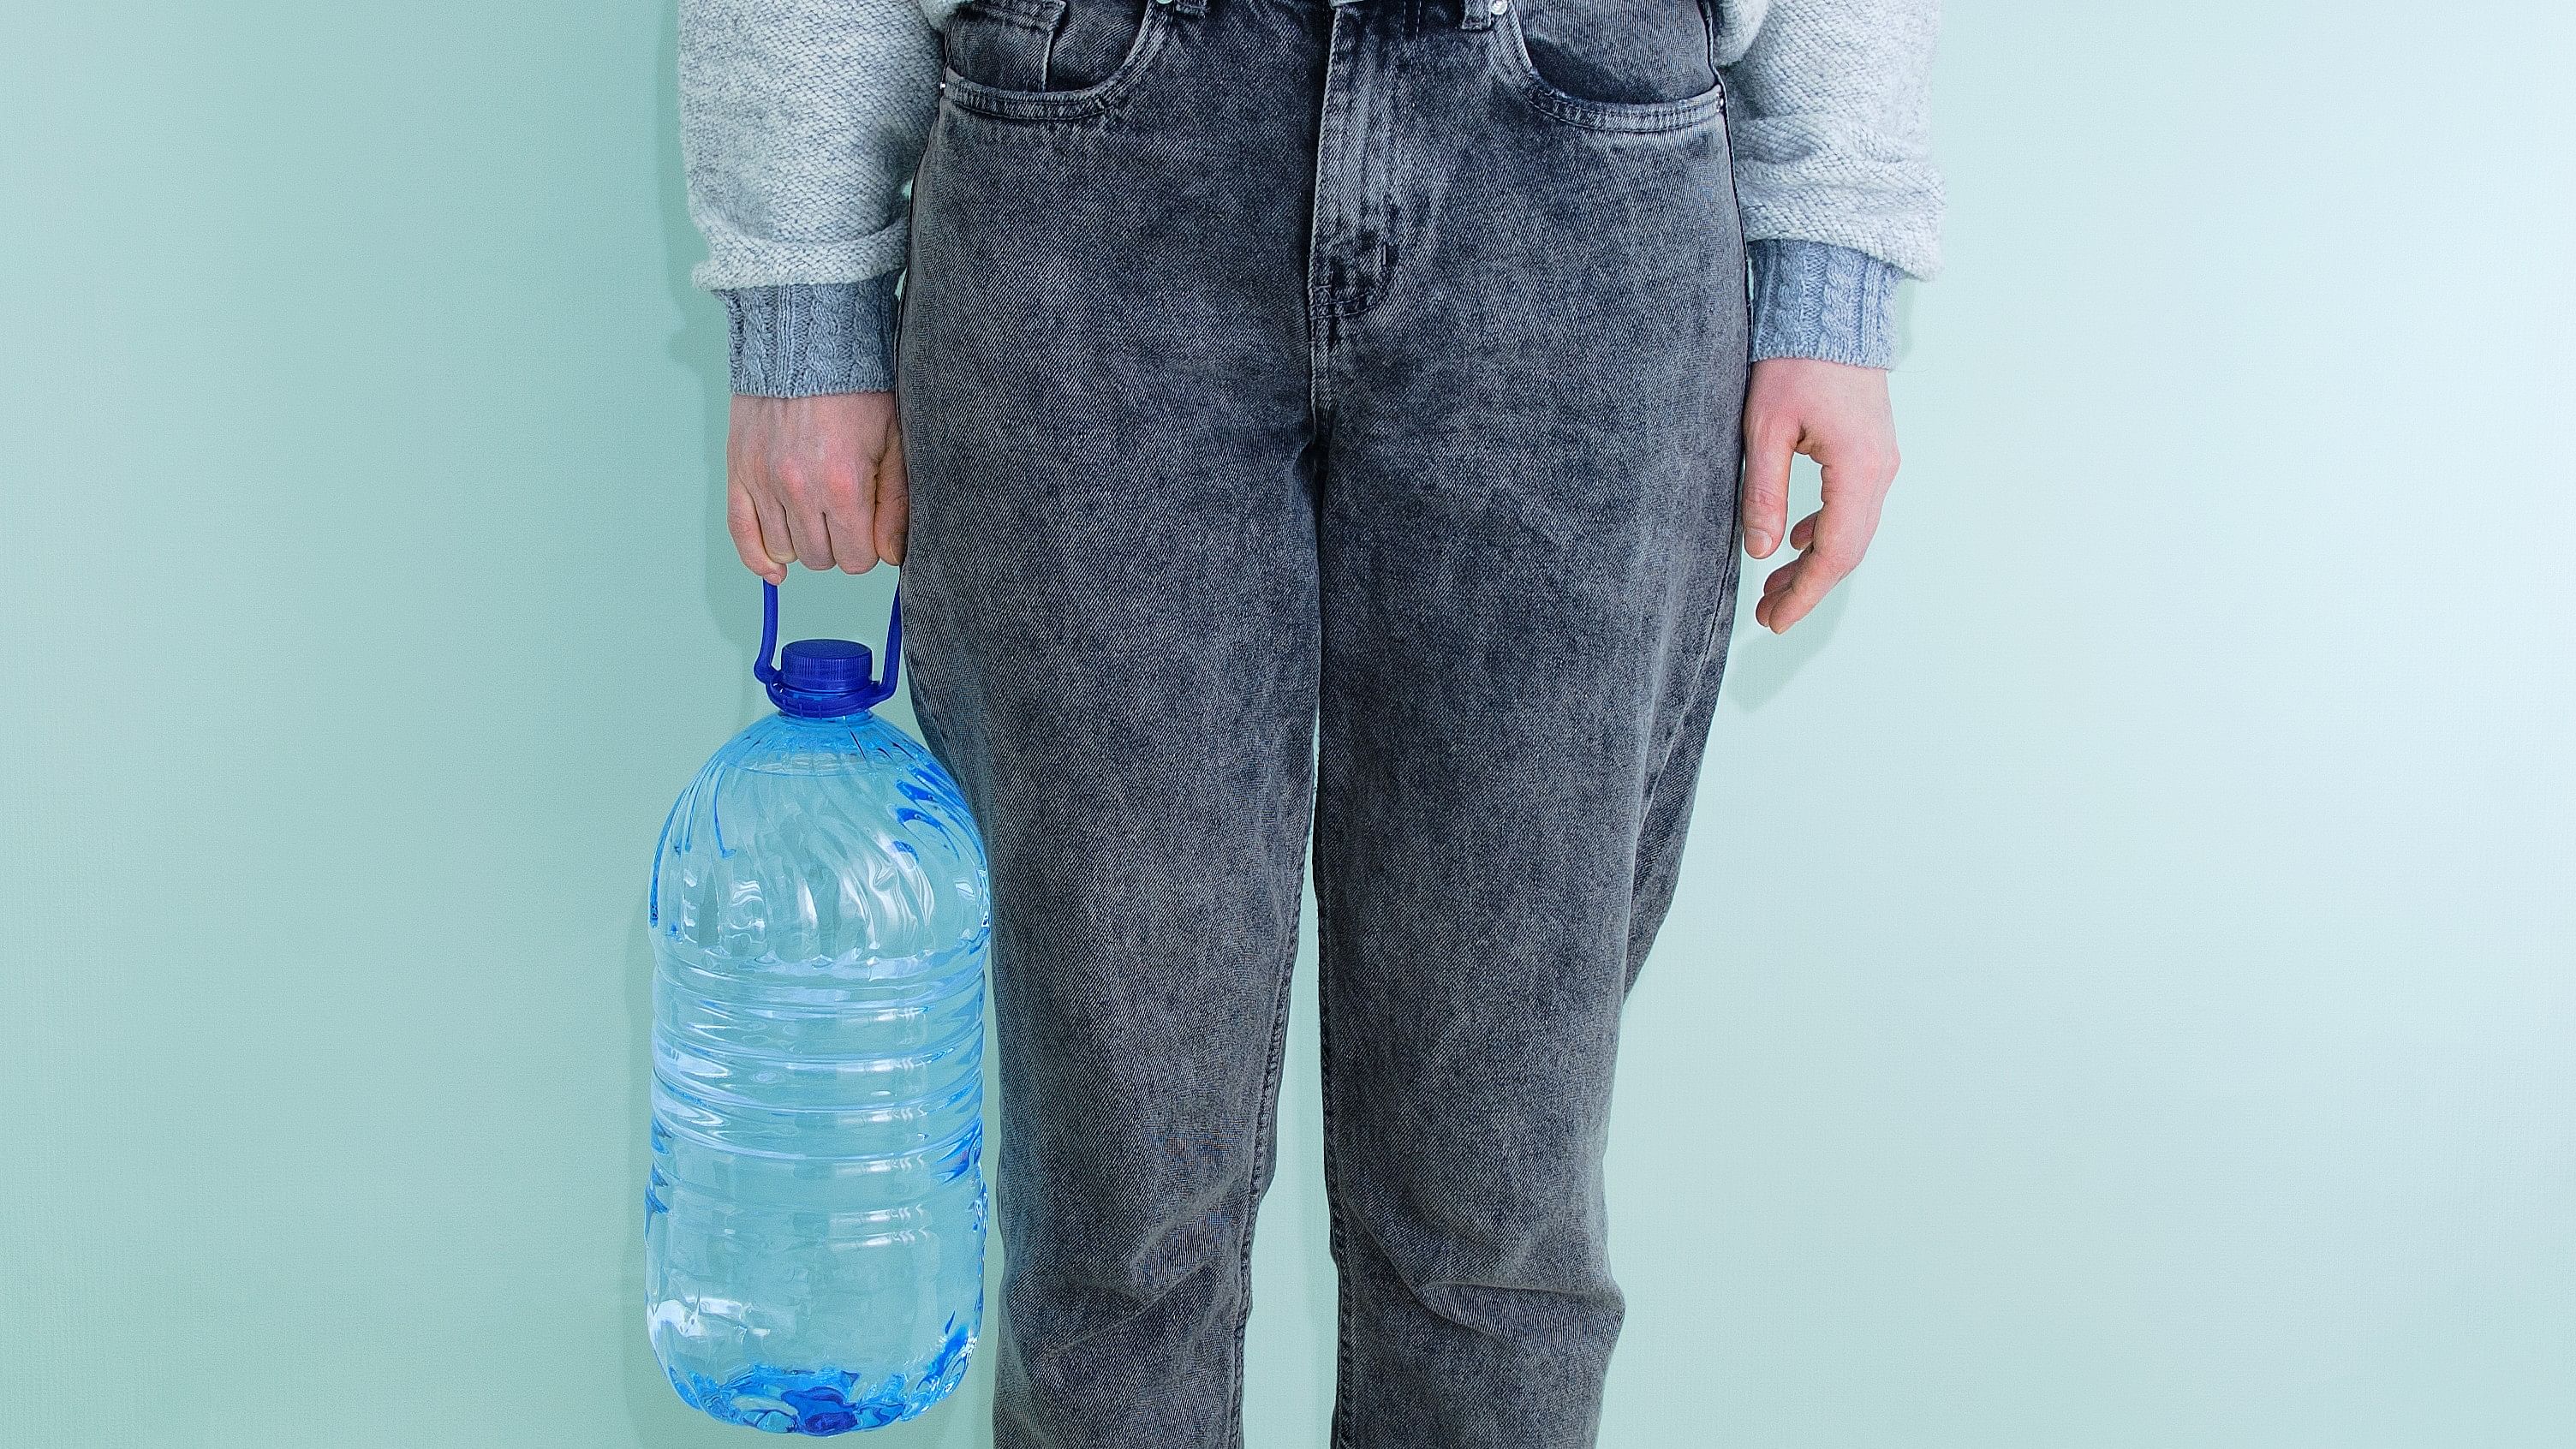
{"x": 815, "y": 487}
{"x": 742, "y": 520}
{"x": 1835, "y": 538}
{"x": 813, "y": 536}
{"x": 851, "y": 551}
{"x": 1770, "y": 441}
{"x": 803, "y": 476}
{"x": 1829, "y": 551}
{"x": 775, "y": 542}
{"x": 849, "y": 502}
{"x": 849, "y": 515}
{"x": 1855, "y": 464}
{"x": 894, "y": 499}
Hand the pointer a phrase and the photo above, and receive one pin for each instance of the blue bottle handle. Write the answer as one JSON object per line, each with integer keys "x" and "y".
{"x": 880, "y": 688}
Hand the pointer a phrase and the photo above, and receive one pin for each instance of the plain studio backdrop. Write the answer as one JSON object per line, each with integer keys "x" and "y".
{"x": 2121, "y": 989}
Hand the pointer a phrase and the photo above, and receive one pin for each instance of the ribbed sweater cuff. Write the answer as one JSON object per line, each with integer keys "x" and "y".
{"x": 807, "y": 338}
{"x": 1813, "y": 299}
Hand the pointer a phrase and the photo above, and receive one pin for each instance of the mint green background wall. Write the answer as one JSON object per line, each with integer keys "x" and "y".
{"x": 2121, "y": 993}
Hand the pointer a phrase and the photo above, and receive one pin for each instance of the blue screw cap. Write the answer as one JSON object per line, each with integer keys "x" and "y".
{"x": 825, "y": 678}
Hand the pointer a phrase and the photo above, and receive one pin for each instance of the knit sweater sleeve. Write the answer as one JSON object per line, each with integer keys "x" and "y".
{"x": 800, "y": 122}
{"x": 1828, "y": 112}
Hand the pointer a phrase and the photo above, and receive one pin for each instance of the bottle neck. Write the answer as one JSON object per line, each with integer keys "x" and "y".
{"x": 843, "y": 720}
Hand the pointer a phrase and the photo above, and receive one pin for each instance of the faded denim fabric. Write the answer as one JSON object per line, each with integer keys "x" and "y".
{"x": 1285, "y": 384}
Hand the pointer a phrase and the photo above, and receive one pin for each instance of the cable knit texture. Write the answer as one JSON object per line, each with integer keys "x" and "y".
{"x": 801, "y": 120}
{"x": 1815, "y": 300}
{"x": 813, "y": 337}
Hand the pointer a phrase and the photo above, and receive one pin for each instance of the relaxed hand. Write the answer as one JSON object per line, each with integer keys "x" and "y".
{"x": 1839, "y": 416}
{"x": 817, "y": 481}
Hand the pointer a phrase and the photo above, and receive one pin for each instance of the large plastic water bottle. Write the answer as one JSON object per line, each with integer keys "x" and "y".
{"x": 814, "y": 1224}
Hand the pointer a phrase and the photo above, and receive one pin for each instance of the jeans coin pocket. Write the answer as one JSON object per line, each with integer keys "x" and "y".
{"x": 1002, "y": 43}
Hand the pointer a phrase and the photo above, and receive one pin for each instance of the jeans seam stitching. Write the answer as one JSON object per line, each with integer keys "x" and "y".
{"x": 1698, "y": 680}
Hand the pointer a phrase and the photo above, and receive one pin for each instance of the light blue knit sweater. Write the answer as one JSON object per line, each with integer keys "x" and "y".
{"x": 800, "y": 120}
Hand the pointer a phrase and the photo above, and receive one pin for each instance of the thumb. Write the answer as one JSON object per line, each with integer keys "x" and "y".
{"x": 1769, "y": 443}
{"x": 894, "y": 499}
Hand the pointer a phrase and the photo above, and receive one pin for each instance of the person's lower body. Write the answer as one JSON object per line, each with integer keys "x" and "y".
{"x": 1264, "y": 364}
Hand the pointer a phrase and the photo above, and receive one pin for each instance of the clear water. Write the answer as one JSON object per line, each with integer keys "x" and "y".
{"x": 814, "y": 1222}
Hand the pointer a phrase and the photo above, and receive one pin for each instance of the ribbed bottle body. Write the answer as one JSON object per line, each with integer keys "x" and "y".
{"x": 814, "y": 1222}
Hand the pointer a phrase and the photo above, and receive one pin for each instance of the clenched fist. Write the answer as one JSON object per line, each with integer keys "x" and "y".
{"x": 817, "y": 481}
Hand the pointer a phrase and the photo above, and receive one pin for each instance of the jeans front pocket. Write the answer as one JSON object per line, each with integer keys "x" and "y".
{"x": 1018, "y": 56}
{"x": 1586, "y": 63}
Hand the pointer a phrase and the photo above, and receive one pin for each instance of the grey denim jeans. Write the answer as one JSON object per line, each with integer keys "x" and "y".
{"x": 1319, "y": 416}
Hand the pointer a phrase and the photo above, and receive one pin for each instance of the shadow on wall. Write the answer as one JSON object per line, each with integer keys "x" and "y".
{"x": 1761, "y": 674}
